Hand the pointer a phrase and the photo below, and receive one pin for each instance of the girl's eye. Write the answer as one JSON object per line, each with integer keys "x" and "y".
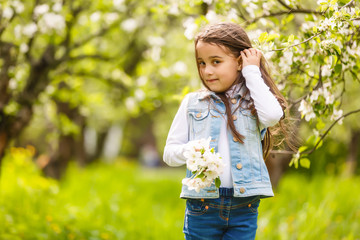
{"x": 201, "y": 63}
{"x": 216, "y": 61}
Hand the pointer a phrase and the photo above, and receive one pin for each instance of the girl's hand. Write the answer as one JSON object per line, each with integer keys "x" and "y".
{"x": 251, "y": 56}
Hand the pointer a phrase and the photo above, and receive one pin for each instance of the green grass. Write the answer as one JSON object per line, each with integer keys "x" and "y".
{"x": 125, "y": 201}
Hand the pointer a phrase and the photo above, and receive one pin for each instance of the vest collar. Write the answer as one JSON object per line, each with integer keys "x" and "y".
{"x": 204, "y": 93}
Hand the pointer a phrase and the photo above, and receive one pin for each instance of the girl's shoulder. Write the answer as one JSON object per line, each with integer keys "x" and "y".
{"x": 200, "y": 94}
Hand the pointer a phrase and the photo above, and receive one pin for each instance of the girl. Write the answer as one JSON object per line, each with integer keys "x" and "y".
{"x": 240, "y": 103}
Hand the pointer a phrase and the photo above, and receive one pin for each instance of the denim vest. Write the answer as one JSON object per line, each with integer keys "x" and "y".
{"x": 248, "y": 169}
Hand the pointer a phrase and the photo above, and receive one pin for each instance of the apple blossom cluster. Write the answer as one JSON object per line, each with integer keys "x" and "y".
{"x": 306, "y": 107}
{"x": 205, "y": 165}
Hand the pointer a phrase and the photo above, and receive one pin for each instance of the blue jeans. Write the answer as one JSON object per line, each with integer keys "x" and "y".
{"x": 223, "y": 218}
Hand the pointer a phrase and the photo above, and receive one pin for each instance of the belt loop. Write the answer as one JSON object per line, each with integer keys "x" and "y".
{"x": 226, "y": 192}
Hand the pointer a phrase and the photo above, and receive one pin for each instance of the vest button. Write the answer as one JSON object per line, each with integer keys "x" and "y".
{"x": 234, "y": 117}
{"x": 198, "y": 115}
{"x": 239, "y": 166}
{"x": 242, "y": 190}
{"x": 234, "y": 139}
{"x": 233, "y": 101}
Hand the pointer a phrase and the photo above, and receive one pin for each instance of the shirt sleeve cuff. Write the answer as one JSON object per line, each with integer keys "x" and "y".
{"x": 250, "y": 69}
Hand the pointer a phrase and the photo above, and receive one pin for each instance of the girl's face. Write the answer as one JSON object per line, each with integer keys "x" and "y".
{"x": 218, "y": 67}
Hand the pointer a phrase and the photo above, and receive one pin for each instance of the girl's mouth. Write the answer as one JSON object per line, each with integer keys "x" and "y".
{"x": 211, "y": 80}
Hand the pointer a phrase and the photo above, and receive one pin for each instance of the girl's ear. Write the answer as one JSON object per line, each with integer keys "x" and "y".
{"x": 239, "y": 60}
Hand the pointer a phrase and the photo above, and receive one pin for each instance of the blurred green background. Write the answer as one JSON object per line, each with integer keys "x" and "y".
{"x": 88, "y": 91}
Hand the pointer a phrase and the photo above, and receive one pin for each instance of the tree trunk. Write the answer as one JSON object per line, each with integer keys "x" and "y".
{"x": 69, "y": 145}
{"x": 3, "y": 145}
{"x": 138, "y": 133}
{"x": 100, "y": 143}
{"x": 351, "y": 160}
{"x": 277, "y": 164}
{"x": 12, "y": 125}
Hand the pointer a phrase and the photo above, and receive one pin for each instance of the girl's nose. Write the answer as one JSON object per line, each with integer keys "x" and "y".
{"x": 208, "y": 70}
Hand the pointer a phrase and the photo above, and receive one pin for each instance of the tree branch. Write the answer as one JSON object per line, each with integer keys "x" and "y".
{"x": 95, "y": 56}
{"x": 273, "y": 14}
{"x": 99, "y": 33}
{"x": 328, "y": 130}
{"x": 97, "y": 76}
{"x": 284, "y": 4}
{"x": 306, "y": 40}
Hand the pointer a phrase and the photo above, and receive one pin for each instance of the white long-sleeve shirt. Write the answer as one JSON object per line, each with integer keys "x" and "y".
{"x": 268, "y": 109}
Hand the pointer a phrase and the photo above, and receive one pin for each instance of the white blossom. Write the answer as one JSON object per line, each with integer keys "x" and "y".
{"x": 51, "y": 21}
{"x": 24, "y": 48}
{"x": 179, "y": 68}
{"x": 13, "y": 83}
{"x": 190, "y": 28}
{"x": 336, "y": 114}
{"x": 130, "y": 103}
{"x": 286, "y": 61}
{"x": 96, "y": 16}
{"x": 212, "y": 17}
{"x": 8, "y": 12}
{"x": 232, "y": 14}
{"x": 321, "y": 2}
{"x": 327, "y": 23}
{"x": 308, "y": 25}
{"x": 174, "y": 9}
{"x": 250, "y": 7}
{"x": 41, "y": 9}
{"x": 119, "y": 5}
{"x": 156, "y": 41}
{"x": 129, "y": 25}
{"x": 326, "y": 71}
{"x": 203, "y": 162}
{"x": 139, "y": 94}
{"x": 326, "y": 44}
{"x": 306, "y": 110}
{"x": 17, "y": 31}
{"x": 164, "y": 72}
{"x": 30, "y": 29}
{"x": 141, "y": 81}
{"x": 57, "y": 7}
{"x": 155, "y": 53}
{"x": 266, "y": 8}
{"x": 314, "y": 96}
{"x": 19, "y": 6}
{"x": 111, "y": 17}
{"x": 329, "y": 98}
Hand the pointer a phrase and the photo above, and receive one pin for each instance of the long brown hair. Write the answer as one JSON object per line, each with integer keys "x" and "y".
{"x": 234, "y": 38}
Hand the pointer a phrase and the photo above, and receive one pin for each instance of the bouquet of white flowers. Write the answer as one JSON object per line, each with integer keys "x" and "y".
{"x": 205, "y": 165}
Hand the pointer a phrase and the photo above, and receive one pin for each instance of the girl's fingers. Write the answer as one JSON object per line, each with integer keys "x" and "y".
{"x": 247, "y": 52}
{"x": 243, "y": 55}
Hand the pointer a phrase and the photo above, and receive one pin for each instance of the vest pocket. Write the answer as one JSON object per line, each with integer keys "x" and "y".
{"x": 198, "y": 120}
{"x": 249, "y": 120}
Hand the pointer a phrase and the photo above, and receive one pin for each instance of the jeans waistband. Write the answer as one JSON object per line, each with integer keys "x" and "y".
{"x": 226, "y": 192}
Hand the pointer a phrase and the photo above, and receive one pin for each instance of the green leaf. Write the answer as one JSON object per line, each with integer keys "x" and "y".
{"x": 320, "y": 125}
{"x": 272, "y": 36}
{"x": 311, "y": 141}
{"x": 263, "y": 37}
{"x": 337, "y": 49}
{"x": 217, "y": 182}
{"x": 302, "y": 149}
{"x": 338, "y": 68}
{"x": 291, "y": 38}
{"x": 201, "y": 175}
{"x": 315, "y": 29}
{"x": 334, "y": 60}
{"x": 305, "y": 162}
{"x": 320, "y": 144}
